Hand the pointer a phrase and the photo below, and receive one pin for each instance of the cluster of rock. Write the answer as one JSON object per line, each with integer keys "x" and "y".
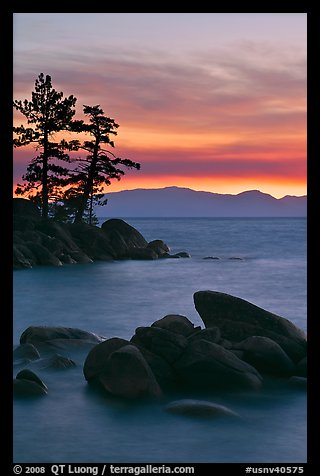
{"x": 240, "y": 347}
{"x": 52, "y": 243}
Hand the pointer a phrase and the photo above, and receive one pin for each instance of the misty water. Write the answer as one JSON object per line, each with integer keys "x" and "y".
{"x": 75, "y": 424}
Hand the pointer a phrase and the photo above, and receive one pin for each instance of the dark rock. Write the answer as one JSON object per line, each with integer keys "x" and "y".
{"x": 236, "y": 258}
{"x": 211, "y": 257}
{"x": 92, "y": 241}
{"x": 27, "y": 388}
{"x": 127, "y": 374}
{"x": 298, "y": 382}
{"x": 159, "y": 247}
{"x": 55, "y": 362}
{"x": 43, "y": 255}
{"x": 240, "y": 355}
{"x": 25, "y": 208}
{"x": 141, "y": 254}
{"x": 168, "y": 345}
{"x": 199, "y": 409}
{"x": 266, "y": 356}
{"x": 98, "y": 356}
{"x": 20, "y": 260}
{"x": 35, "y": 334}
{"x": 68, "y": 344}
{"x": 26, "y": 351}
{"x": 27, "y": 374}
{"x": 204, "y": 364}
{"x": 301, "y": 369}
{"x": 239, "y": 319}
{"x": 161, "y": 369}
{"x": 212, "y": 334}
{"x": 122, "y": 236}
{"x": 181, "y": 254}
{"x": 176, "y": 323}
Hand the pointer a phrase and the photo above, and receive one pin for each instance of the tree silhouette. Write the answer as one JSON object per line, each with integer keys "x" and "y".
{"x": 100, "y": 166}
{"x": 49, "y": 113}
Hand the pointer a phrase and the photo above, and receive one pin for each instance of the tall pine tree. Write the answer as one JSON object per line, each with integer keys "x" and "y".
{"x": 100, "y": 166}
{"x": 49, "y": 113}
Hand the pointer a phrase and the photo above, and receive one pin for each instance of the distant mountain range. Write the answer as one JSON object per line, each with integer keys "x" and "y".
{"x": 184, "y": 202}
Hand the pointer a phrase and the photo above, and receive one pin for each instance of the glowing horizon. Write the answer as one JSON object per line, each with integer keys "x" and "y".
{"x": 213, "y": 102}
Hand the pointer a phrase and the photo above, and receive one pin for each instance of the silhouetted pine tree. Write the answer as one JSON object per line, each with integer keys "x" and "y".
{"x": 100, "y": 166}
{"x": 49, "y": 113}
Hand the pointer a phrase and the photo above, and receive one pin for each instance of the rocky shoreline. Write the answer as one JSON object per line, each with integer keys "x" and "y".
{"x": 52, "y": 243}
{"x": 240, "y": 348}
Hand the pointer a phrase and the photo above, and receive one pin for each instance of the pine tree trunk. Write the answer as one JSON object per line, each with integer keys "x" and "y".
{"x": 45, "y": 197}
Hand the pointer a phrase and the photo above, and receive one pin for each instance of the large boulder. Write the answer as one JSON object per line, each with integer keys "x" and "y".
{"x": 26, "y": 351}
{"x": 177, "y": 324}
{"x": 239, "y": 319}
{"x": 140, "y": 254}
{"x": 92, "y": 241}
{"x": 212, "y": 334}
{"x": 266, "y": 356}
{"x": 168, "y": 345}
{"x": 128, "y": 375}
{"x": 205, "y": 365}
{"x": 122, "y": 236}
{"x": 28, "y": 384}
{"x": 159, "y": 247}
{"x": 161, "y": 369}
{"x": 199, "y": 409}
{"x": 43, "y": 255}
{"x": 302, "y": 370}
{"x": 98, "y": 356}
{"x": 37, "y": 334}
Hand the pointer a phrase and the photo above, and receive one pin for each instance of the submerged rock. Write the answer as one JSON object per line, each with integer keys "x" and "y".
{"x": 35, "y": 334}
{"x": 239, "y": 319}
{"x": 298, "y": 382}
{"x": 27, "y": 374}
{"x": 199, "y": 409}
{"x": 26, "y": 351}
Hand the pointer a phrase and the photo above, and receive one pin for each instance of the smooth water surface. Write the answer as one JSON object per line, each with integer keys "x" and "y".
{"x": 74, "y": 424}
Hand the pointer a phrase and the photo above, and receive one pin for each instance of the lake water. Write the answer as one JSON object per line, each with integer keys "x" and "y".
{"x": 74, "y": 424}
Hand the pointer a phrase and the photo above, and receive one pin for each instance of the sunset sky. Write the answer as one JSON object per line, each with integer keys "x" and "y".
{"x": 210, "y": 101}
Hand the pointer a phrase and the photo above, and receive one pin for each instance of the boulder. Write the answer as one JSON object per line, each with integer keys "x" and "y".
{"x": 27, "y": 374}
{"x": 301, "y": 369}
{"x": 159, "y": 247}
{"x": 92, "y": 241}
{"x": 168, "y": 345}
{"x": 98, "y": 356}
{"x": 212, "y": 334}
{"x": 199, "y": 409}
{"x": 36, "y": 334}
{"x": 205, "y": 365}
{"x": 181, "y": 254}
{"x": 19, "y": 258}
{"x": 161, "y": 369}
{"x": 177, "y": 324}
{"x": 127, "y": 374}
{"x": 122, "y": 236}
{"x": 54, "y": 362}
{"x": 239, "y": 319}
{"x": 43, "y": 256}
{"x": 26, "y": 351}
{"x": 266, "y": 356}
{"x": 28, "y": 384}
{"x": 141, "y": 254}
{"x": 298, "y": 382}
{"x": 25, "y": 208}
{"x": 27, "y": 388}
